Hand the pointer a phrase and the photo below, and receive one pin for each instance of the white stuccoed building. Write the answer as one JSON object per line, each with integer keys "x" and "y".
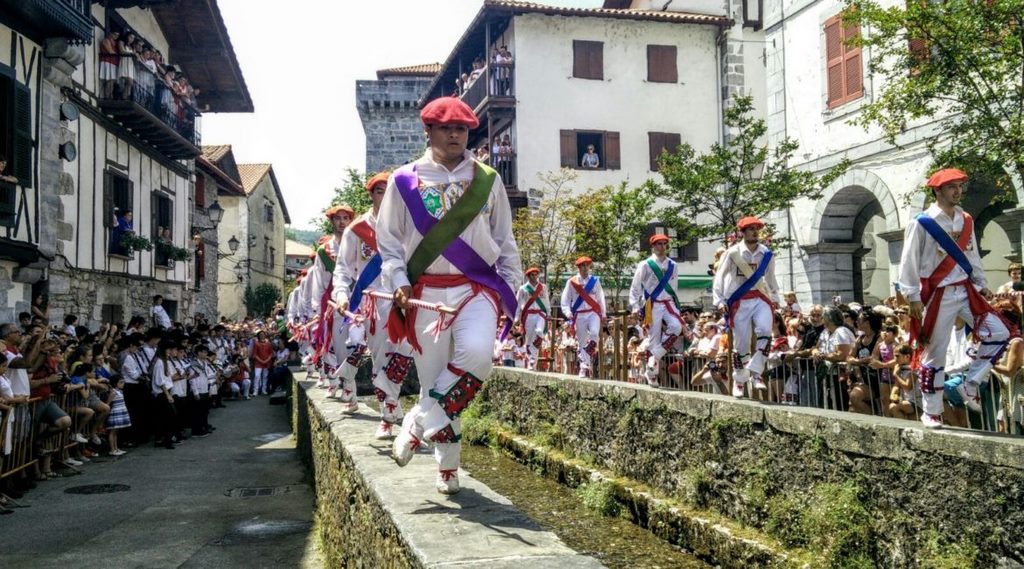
{"x": 849, "y": 242}
{"x": 629, "y": 79}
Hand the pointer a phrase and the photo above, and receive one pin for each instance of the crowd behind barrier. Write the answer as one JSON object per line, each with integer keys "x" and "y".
{"x": 69, "y": 394}
{"x": 869, "y": 381}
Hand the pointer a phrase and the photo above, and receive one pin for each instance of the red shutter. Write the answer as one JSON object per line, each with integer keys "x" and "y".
{"x": 200, "y": 191}
{"x": 854, "y": 72}
{"x": 612, "y": 159}
{"x": 568, "y": 148}
{"x": 834, "y": 60}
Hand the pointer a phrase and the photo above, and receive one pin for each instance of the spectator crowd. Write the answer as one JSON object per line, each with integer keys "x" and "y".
{"x": 843, "y": 356}
{"x": 70, "y": 393}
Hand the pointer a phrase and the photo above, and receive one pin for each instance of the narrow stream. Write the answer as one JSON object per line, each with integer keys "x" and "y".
{"x": 615, "y": 541}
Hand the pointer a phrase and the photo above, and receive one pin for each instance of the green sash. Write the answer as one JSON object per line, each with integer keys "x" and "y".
{"x": 453, "y": 223}
{"x": 669, "y": 288}
{"x": 325, "y": 258}
{"x": 538, "y": 302}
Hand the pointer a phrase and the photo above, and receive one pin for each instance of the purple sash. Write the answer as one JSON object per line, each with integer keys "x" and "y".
{"x": 458, "y": 252}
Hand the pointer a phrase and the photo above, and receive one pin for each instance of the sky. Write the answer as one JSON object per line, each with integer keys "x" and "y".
{"x": 301, "y": 59}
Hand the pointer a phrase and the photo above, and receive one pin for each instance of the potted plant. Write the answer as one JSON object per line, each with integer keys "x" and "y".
{"x": 130, "y": 243}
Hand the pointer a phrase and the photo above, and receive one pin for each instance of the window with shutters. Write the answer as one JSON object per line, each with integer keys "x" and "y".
{"x": 117, "y": 203}
{"x": 163, "y": 226}
{"x": 8, "y": 191}
{"x": 590, "y": 150}
{"x": 16, "y": 142}
{"x": 677, "y": 251}
{"x": 844, "y": 66}
{"x": 662, "y": 141}
{"x": 587, "y": 59}
{"x": 200, "y": 197}
{"x": 661, "y": 64}
{"x": 268, "y": 213}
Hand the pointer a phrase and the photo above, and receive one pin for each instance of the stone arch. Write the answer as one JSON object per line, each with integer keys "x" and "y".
{"x": 850, "y": 190}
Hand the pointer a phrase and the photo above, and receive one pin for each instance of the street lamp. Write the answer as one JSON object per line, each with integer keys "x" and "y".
{"x": 216, "y": 213}
{"x": 239, "y": 271}
{"x": 232, "y": 246}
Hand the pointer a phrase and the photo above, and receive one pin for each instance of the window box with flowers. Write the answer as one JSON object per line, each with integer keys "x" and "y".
{"x": 129, "y": 242}
{"x": 167, "y": 253}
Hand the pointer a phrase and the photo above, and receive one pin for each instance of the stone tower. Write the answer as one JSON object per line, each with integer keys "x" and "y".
{"x": 388, "y": 109}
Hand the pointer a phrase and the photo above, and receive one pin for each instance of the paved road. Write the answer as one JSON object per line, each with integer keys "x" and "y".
{"x": 185, "y": 507}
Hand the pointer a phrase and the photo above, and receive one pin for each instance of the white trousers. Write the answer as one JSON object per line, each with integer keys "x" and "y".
{"x": 259, "y": 383}
{"x": 466, "y": 346}
{"x": 390, "y": 364}
{"x": 349, "y": 357}
{"x": 588, "y": 326}
{"x": 991, "y": 336}
{"x": 334, "y": 357}
{"x": 665, "y": 324}
{"x": 534, "y": 329}
{"x": 754, "y": 316}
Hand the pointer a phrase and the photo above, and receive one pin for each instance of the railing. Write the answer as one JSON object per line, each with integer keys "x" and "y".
{"x": 20, "y": 443}
{"x": 151, "y": 92}
{"x": 795, "y": 381}
{"x": 501, "y": 84}
{"x": 505, "y": 163}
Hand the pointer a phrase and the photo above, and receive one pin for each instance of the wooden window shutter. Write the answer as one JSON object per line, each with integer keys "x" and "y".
{"x": 587, "y": 59}
{"x": 108, "y": 199}
{"x": 568, "y": 148}
{"x": 854, "y": 66}
{"x": 834, "y": 60}
{"x": 672, "y": 141}
{"x": 200, "y": 199}
{"x": 612, "y": 159}
{"x": 23, "y": 147}
{"x": 580, "y": 63}
{"x": 661, "y": 64}
{"x": 655, "y": 142}
{"x": 597, "y": 60}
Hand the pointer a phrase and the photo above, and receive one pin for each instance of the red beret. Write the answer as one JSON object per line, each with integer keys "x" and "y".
{"x": 945, "y": 176}
{"x": 448, "y": 110}
{"x": 379, "y": 178}
{"x": 532, "y": 271}
{"x": 335, "y": 210}
{"x": 749, "y": 221}
{"x": 658, "y": 238}
{"x": 584, "y": 260}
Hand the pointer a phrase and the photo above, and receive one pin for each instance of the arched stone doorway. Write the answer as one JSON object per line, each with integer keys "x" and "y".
{"x": 848, "y": 252}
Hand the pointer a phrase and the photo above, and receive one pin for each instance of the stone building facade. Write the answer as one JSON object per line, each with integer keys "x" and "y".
{"x": 389, "y": 111}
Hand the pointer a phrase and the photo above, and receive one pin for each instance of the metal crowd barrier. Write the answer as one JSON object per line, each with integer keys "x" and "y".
{"x": 17, "y": 438}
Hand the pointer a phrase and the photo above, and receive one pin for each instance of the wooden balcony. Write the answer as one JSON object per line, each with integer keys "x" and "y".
{"x": 498, "y": 90}
{"x": 70, "y": 19}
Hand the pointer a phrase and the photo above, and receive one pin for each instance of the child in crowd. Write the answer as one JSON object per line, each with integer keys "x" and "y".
{"x": 508, "y": 358}
{"x": 636, "y": 359}
{"x": 790, "y": 307}
{"x": 118, "y": 417}
{"x": 519, "y": 352}
{"x": 886, "y": 355}
{"x": 905, "y": 396}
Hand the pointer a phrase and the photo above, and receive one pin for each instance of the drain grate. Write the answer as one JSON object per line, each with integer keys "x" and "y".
{"x": 257, "y": 492}
{"x": 98, "y": 489}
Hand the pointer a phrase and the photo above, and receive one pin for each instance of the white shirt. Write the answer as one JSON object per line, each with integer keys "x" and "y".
{"x": 319, "y": 277}
{"x": 644, "y": 279}
{"x": 6, "y": 392}
{"x": 922, "y": 254}
{"x": 290, "y": 309}
{"x": 162, "y": 319}
{"x": 161, "y": 379}
{"x": 569, "y": 296}
{"x": 489, "y": 234}
{"x": 523, "y": 296}
{"x": 829, "y": 343}
{"x": 353, "y": 256}
{"x": 17, "y": 376}
{"x": 204, "y": 376}
{"x": 179, "y": 387}
{"x": 728, "y": 278}
{"x": 131, "y": 367}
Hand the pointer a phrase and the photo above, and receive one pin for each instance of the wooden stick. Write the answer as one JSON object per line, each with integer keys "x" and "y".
{"x": 438, "y": 307}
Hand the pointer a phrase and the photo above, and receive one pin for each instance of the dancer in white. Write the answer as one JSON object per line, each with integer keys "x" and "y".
{"x": 356, "y": 275}
{"x": 445, "y": 236}
{"x": 583, "y": 303}
{"x": 331, "y": 336}
{"x": 533, "y": 302}
{"x": 653, "y": 302}
{"x": 746, "y": 289}
{"x": 942, "y": 277}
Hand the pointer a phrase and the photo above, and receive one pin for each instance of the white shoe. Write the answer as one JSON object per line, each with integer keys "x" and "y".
{"x": 383, "y": 431}
{"x": 117, "y": 452}
{"x": 931, "y": 421}
{"x": 72, "y": 462}
{"x": 737, "y": 390}
{"x": 404, "y": 447}
{"x": 391, "y": 412}
{"x": 448, "y": 482}
{"x": 331, "y": 391}
{"x": 95, "y": 440}
{"x": 350, "y": 407}
{"x": 969, "y": 393}
{"x": 79, "y": 438}
{"x": 758, "y": 383}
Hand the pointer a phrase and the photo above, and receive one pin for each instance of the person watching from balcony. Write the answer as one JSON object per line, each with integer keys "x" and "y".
{"x": 478, "y": 70}
{"x": 146, "y": 78}
{"x": 126, "y": 65}
{"x": 590, "y": 160}
{"x": 109, "y": 60}
{"x": 122, "y": 224}
{"x": 501, "y": 73}
{"x": 3, "y": 168}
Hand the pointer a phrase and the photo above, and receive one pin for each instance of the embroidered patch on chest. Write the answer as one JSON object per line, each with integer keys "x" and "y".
{"x": 441, "y": 198}
{"x": 753, "y": 269}
{"x": 365, "y": 250}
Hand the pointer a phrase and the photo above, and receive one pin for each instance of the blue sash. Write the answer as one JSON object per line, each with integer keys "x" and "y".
{"x": 587, "y": 288}
{"x": 945, "y": 241}
{"x": 662, "y": 283}
{"x": 750, "y": 283}
{"x": 370, "y": 273}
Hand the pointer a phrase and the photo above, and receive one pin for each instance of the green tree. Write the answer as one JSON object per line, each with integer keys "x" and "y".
{"x": 352, "y": 193}
{"x": 545, "y": 235}
{"x": 261, "y": 300}
{"x": 708, "y": 193}
{"x": 961, "y": 62}
{"x": 607, "y": 225}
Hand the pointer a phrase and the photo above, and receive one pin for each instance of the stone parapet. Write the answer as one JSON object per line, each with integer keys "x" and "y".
{"x": 898, "y": 495}
{"x": 371, "y": 513}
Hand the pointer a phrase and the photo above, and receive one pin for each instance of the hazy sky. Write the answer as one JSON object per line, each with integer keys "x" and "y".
{"x": 301, "y": 59}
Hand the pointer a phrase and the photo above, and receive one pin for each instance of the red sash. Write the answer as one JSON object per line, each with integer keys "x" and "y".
{"x": 930, "y": 289}
{"x": 582, "y": 293}
{"x": 529, "y": 303}
{"x": 363, "y": 231}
